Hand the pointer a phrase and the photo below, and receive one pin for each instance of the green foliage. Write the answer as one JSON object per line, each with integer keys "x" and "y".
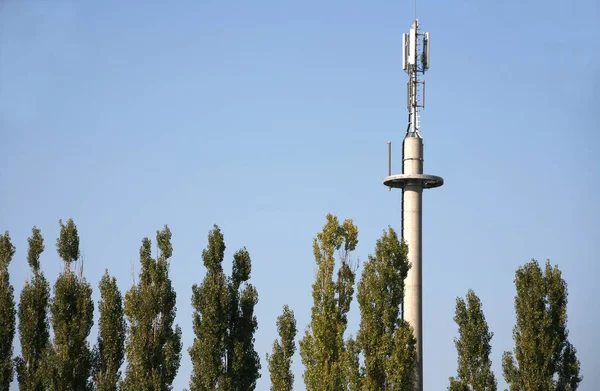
{"x": 323, "y": 349}
{"x": 153, "y": 343}
{"x": 282, "y": 378}
{"x": 223, "y": 355}
{"x": 545, "y": 359}
{"x": 109, "y": 352}
{"x": 67, "y": 244}
{"x": 72, "y": 311}
{"x": 354, "y": 374}
{"x": 473, "y": 346}
{"x": 380, "y": 293}
{"x": 210, "y": 302}
{"x": 402, "y": 366}
{"x": 7, "y": 313}
{"x": 243, "y": 362}
{"x": 36, "y": 248}
{"x": 33, "y": 322}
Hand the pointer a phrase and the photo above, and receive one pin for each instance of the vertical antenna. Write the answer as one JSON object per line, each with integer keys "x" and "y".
{"x": 415, "y": 61}
{"x": 389, "y": 161}
{"x": 415, "y": 9}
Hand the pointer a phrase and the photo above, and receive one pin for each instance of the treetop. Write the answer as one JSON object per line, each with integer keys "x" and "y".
{"x": 213, "y": 255}
{"x": 36, "y": 247}
{"x": 7, "y": 250}
{"x": 67, "y": 244}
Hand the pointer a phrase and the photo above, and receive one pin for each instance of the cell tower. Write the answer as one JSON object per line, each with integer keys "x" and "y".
{"x": 412, "y": 181}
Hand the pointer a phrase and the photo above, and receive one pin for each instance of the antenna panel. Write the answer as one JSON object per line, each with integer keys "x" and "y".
{"x": 412, "y": 47}
{"x": 425, "y": 58}
{"x": 404, "y": 46}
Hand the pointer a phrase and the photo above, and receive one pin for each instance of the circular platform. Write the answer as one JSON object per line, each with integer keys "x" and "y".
{"x": 427, "y": 181}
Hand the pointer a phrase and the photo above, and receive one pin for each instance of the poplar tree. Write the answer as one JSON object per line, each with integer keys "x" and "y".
{"x": 223, "y": 355}
{"x": 7, "y": 313}
{"x": 33, "y": 321}
{"x": 210, "y": 302}
{"x": 473, "y": 346}
{"x": 109, "y": 352}
{"x": 153, "y": 342}
{"x": 543, "y": 357}
{"x": 280, "y": 361}
{"x": 323, "y": 349}
{"x": 243, "y": 362}
{"x": 383, "y": 338}
{"x": 72, "y": 311}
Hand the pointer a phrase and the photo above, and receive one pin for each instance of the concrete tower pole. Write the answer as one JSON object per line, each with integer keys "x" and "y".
{"x": 412, "y": 181}
{"x": 412, "y": 201}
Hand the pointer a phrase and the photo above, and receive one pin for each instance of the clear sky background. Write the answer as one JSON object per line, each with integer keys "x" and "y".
{"x": 264, "y": 116}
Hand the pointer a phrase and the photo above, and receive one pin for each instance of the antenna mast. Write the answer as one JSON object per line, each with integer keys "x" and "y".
{"x": 415, "y": 61}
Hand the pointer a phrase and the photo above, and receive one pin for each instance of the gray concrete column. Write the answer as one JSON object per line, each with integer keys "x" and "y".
{"x": 412, "y": 232}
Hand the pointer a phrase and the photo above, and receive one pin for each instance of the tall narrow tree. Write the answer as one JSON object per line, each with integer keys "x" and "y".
{"x": 473, "y": 346}
{"x": 72, "y": 312}
{"x": 33, "y": 321}
{"x": 153, "y": 342}
{"x": 109, "y": 352}
{"x": 223, "y": 355}
{"x": 280, "y": 361}
{"x": 545, "y": 359}
{"x": 323, "y": 349}
{"x": 243, "y": 362}
{"x": 7, "y": 313}
{"x": 380, "y": 294}
{"x": 210, "y": 302}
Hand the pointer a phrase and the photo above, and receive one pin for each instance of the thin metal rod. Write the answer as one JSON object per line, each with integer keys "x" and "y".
{"x": 389, "y": 158}
{"x": 389, "y": 161}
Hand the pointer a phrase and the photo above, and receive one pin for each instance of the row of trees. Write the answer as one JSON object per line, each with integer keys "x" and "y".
{"x": 140, "y": 327}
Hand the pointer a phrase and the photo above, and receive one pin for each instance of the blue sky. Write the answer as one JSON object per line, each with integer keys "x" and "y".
{"x": 262, "y": 117}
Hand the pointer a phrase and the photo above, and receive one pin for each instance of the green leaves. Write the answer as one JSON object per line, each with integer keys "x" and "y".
{"x": 212, "y": 256}
{"x": 67, "y": 244}
{"x": 241, "y": 267}
{"x": 473, "y": 346}
{"x": 543, "y": 357}
{"x": 223, "y": 355}
{"x": 153, "y": 342}
{"x": 33, "y": 322}
{"x": 72, "y": 311}
{"x": 109, "y": 352}
{"x": 7, "y": 312}
{"x": 211, "y": 303}
{"x": 323, "y": 349}
{"x": 280, "y": 361}
{"x": 36, "y": 247}
{"x": 72, "y": 319}
{"x": 401, "y": 368}
{"x": 382, "y": 337}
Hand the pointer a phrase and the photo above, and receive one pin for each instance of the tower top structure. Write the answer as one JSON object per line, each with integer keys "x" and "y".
{"x": 415, "y": 62}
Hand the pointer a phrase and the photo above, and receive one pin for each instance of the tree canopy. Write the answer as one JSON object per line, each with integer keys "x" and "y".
{"x": 323, "y": 349}
{"x": 223, "y": 355}
{"x": 280, "y": 360}
{"x": 33, "y": 322}
{"x": 72, "y": 311}
{"x": 543, "y": 358}
{"x": 109, "y": 351}
{"x": 473, "y": 346}
{"x": 153, "y": 341}
{"x": 7, "y": 313}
